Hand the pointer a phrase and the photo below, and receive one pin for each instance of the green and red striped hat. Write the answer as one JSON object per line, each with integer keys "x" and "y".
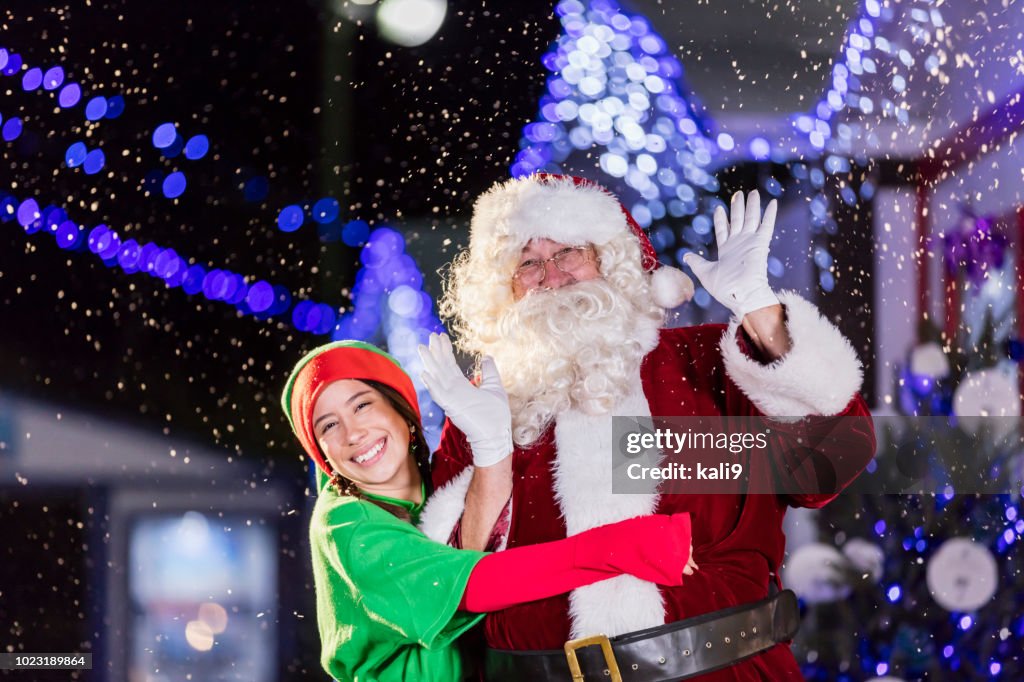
{"x": 334, "y": 362}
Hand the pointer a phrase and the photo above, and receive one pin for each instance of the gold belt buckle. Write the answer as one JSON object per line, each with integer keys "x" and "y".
{"x": 606, "y": 650}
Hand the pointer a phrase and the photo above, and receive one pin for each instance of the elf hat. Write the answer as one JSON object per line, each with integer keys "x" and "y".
{"x": 333, "y": 362}
{"x": 570, "y": 210}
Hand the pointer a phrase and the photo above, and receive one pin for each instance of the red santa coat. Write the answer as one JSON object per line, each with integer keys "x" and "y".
{"x": 738, "y": 539}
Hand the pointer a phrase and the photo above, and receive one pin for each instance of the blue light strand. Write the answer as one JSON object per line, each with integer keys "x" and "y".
{"x": 324, "y": 212}
{"x": 390, "y": 282}
{"x": 165, "y": 137}
{"x": 261, "y": 299}
{"x": 11, "y": 64}
{"x": 98, "y": 107}
{"x": 407, "y": 320}
{"x": 130, "y": 256}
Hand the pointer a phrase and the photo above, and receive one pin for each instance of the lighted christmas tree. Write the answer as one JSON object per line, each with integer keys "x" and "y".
{"x": 928, "y": 587}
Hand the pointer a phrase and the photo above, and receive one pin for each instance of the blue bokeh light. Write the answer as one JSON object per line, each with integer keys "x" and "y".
{"x": 260, "y": 296}
{"x": 28, "y": 213}
{"x": 196, "y": 147}
{"x": 13, "y": 64}
{"x": 12, "y": 129}
{"x": 178, "y": 270}
{"x": 115, "y": 106}
{"x": 290, "y": 218}
{"x": 194, "y": 278}
{"x": 174, "y": 185}
{"x": 96, "y": 108}
{"x": 166, "y": 263}
{"x": 174, "y": 148}
{"x": 32, "y": 79}
{"x": 75, "y": 155}
{"x": 355, "y": 232}
{"x": 128, "y": 256}
{"x": 147, "y": 257}
{"x": 96, "y": 235}
{"x": 326, "y": 210}
{"x": 301, "y": 314}
{"x": 8, "y": 209}
{"x": 164, "y": 135}
{"x": 69, "y": 235}
{"x": 215, "y": 284}
{"x": 109, "y": 244}
{"x": 52, "y": 217}
{"x": 53, "y": 78}
{"x": 69, "y": 95}
{"x": 94, "y": 162}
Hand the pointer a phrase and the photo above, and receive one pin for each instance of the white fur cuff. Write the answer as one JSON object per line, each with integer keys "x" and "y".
{"x": 445, "y": 507}
{"x": 818, "y": 376}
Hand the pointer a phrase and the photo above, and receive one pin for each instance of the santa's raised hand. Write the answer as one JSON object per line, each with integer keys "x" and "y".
{"x": 480, "y": 411}
{"x": 739, "y": 278}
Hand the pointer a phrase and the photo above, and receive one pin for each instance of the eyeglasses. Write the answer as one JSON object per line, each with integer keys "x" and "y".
{"x": 531, "y": 272}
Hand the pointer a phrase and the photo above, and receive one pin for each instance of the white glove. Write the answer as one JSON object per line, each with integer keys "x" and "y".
{"x": 739, "y": 278}
{"x": 481, "y": 412}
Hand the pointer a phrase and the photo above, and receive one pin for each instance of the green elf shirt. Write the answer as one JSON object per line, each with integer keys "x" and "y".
{"x": 387, "y": 597}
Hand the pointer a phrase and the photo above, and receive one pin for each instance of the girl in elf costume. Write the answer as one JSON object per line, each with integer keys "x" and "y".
{"x": 391, "y": 602}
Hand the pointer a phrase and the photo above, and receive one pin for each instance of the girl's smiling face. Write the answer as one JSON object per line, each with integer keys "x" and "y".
{"x": 364, "y": 437}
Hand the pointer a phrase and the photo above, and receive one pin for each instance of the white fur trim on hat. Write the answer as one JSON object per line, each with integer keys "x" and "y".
{"x": 670, "y": 287}
{"x": 818, "y": 376}
{"x": 555, "y": 208}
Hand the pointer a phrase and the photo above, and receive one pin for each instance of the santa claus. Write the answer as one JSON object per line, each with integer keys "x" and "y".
{"x": 562, "y": 288}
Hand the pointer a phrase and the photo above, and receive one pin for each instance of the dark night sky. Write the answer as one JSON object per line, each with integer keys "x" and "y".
{"x": 418, "y": 135}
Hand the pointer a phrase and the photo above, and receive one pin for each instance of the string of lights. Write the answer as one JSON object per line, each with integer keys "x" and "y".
{"x": 260, "y": 298}
{"x": 389, "y": 305}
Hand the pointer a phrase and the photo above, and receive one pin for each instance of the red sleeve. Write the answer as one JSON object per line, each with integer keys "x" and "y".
{"x": 819, "y": 456}
{"x": 525, "y": 574}
{"x": 654, "y": 548}
{"x": 452, "y": 456}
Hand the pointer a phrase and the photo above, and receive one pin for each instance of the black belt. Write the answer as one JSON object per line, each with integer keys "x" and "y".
{"x": 675, "y": 651}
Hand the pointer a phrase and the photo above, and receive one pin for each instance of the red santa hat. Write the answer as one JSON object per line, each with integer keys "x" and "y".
{"x": 569, "y": 210}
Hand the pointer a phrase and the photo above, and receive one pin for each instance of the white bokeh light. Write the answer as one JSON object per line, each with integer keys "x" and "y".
{"x": 410, "y": 22}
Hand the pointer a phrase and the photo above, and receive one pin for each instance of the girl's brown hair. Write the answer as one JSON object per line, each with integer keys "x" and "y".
{"x": 417, "y": 446}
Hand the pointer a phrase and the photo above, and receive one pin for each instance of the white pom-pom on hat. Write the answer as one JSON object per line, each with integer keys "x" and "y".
{"x": 671, "y": 287}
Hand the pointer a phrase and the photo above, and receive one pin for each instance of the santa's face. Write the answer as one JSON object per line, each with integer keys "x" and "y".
{"x": 547, "y": 264}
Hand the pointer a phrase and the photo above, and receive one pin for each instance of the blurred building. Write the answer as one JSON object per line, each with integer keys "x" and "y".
{"x": 161, "y": 558}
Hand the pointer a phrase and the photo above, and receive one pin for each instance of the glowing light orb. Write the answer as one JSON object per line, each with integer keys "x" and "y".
{"x": 410, "y": 22}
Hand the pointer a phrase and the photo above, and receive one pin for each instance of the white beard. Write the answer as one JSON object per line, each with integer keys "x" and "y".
{"x": 577, "y": 347}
